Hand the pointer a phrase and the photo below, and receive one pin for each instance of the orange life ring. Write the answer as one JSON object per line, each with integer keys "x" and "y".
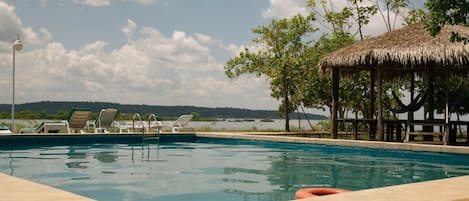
{"x": 314, "y": 192}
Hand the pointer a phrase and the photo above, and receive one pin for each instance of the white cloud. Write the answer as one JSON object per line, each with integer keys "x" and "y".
{"x": 147, "y": 1}
{"x": 100, "y": 3}
{"x": 129, "y": 29}
{"x": 94, "y": 3}
{"x": 151, "y": 68}
{"x": 377, "y": 26}
{"x": 285, "y": 9}
{"x": 232, "y": 49}
{"x": 11, "y": 26}
{"x": 204, "y": 38}
{"x": 44, "y": 3}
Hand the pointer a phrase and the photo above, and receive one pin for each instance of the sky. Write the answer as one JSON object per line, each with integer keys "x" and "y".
{"x": 154, "y": 52}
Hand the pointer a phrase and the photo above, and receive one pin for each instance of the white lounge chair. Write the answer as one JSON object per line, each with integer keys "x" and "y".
{"x": 48, "y": 127}
{"x": 180, "y": 122}
{"x": 105, "y": 120}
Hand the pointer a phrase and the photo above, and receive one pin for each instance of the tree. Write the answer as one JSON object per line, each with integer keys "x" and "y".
{"x": 448, "y": 12}
{"x": 280, "y": 58}
{"x": 394, "y": 6}
{"x": 361, "y": 14}
{"x": 416, "y": 16}
{"x": 318, "y": 87}
{"x": 356, "y": 12}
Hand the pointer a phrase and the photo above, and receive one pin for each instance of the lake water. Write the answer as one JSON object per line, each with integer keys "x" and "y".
{"x": 257, "y": 124}
{"x": 228, "y": 124}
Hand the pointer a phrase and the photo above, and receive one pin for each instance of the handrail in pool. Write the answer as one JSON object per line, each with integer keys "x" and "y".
{"x": 137, "y": 115}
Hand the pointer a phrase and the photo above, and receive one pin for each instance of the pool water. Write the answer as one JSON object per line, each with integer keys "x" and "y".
{"x": 214, "y": 169}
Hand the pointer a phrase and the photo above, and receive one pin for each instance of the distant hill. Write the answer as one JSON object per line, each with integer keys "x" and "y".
{"x": 52, "y": 107}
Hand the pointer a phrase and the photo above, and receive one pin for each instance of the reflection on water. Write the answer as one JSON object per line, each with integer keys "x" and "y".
{"x": 105, "y": 157}
{"x": 220, "y": 169}
{"x": 80, "y": 165}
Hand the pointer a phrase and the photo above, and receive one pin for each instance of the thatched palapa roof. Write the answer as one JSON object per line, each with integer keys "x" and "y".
{"x": 411, "y": 47}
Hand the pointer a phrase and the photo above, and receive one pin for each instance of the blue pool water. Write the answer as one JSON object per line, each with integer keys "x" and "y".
{"x": 214, "y": 169}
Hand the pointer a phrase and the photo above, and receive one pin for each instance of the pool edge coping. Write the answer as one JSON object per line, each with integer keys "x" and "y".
{"x": 339, "y": 142}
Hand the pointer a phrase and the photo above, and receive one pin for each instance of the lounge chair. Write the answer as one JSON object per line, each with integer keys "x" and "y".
{"x": 180, "y": 122}
{"x": 4, "y": 129}
{"x": 78, "y": 120}
{"x": 105, "y": 120}
{"x": 48, "y": 127}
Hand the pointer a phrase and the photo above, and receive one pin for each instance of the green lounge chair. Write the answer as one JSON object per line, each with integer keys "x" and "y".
{"x": 48, "y": 127}
{"x": 4, "y": 129}
{"x": 77, "y": 121}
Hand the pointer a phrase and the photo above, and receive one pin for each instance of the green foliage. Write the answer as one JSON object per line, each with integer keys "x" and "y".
{"x": 362, "y": 14}
{"x": 457, "y": 88}
{"x": 447, "y": 12}
{"x": 355, "y": 93}
{"x": 282, "y": 59}
{"x": 339, "y": 20}
{"x": 417, "y": 16}
{"x": 318, "y": 88}
{"x": 324, "y": 125}
{"x": 196, "y": 116}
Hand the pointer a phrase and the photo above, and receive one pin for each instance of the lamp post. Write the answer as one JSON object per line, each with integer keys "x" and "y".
{"x": 17, "y": 46}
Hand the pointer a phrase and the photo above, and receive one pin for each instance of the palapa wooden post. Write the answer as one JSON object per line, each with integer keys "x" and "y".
{"x": 379, "y": 90}
{"x": 410, "y": 114}
{"x": 446, "y": 134}
{"x": 335, "y": 100}
{"x": 372, "y": 129}
{"x": 429, "y": 108}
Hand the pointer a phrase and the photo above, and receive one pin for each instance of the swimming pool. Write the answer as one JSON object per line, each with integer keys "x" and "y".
{"x": 218, "y": 169}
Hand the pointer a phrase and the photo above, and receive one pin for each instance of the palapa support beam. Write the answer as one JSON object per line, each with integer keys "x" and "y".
{"x": 335, "y": 100}
{"x": 379, "y": 103}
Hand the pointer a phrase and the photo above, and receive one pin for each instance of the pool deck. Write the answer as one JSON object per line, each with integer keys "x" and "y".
{"x": 452, "y": 189}
{"x": 13, "y": 188}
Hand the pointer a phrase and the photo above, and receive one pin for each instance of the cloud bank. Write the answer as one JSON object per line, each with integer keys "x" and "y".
{"x": 11, "y": 26}
{"x": 150, "y": 68}
{"x": 175, "y": 68}
{"x": 100, "y": 3}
